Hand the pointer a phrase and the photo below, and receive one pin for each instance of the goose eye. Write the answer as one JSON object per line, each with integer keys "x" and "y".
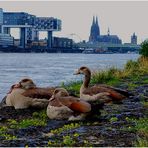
{"x": 82, "y": 68}
{"x": 56, "y": 91}
{"x": 25, "y": 80}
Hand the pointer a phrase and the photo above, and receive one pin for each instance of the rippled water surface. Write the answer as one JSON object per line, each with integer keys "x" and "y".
{"x": 52, "y": 69}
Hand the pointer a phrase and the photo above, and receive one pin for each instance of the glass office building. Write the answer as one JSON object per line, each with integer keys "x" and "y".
{"x": 1, "y": 19}
{"x": 6, "y": 40}
{"x": 29, "y": 26}
{"x": 1, "y": 16}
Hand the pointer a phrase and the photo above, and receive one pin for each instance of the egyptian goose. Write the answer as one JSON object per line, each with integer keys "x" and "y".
{"x": 63, "y": 106}
{"x": 5, "y": 101}
{"x": 7, "y": 98}
{"x": 25, "y": 94}
{"x": 104, "y": 93}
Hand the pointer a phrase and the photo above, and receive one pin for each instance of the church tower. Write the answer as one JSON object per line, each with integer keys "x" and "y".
{"x": 94, "y": 31}
{"x": 134, "y": 39}
{"x": 97, "y": 27}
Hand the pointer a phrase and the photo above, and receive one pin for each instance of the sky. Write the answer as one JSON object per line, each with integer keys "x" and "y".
{"x": 122, "y": 17}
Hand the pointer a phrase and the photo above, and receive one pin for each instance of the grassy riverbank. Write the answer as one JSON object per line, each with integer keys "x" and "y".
{"x": 133, "y": 70}
{"x": 120, "y": 125}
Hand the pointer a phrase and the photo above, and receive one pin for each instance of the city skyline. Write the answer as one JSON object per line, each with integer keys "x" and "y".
{"x": 123, "y": 18}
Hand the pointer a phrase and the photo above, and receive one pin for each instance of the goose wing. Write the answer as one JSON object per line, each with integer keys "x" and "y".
{"x": 119, "y": 90}
{"x": 99, "y": 89}
{"x": 94, "y": 90}
{"x": 68, "y": 100}
{"x": 80, "y": 106}
{"x": 40, "y": 93}
{"x": 75, "y": 104}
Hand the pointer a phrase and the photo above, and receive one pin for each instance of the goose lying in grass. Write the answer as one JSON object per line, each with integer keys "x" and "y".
{"x": 7, "y": 98}
{"x": 25, "y": 94}
{"x": 63, "y": 106}
{"x": 104, "y": 93}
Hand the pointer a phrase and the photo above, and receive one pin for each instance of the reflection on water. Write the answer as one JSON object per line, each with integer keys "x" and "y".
{"x": 52, "y": 69}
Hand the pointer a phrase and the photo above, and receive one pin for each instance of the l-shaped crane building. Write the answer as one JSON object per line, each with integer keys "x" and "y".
{"x": 29, "y": 26}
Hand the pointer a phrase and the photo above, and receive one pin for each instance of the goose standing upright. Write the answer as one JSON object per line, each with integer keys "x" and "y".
{"x": 104, "y": 93}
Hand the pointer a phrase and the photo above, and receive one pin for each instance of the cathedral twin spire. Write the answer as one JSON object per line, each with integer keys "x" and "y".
{"x": 95, "y": 30}
{"x": 95, "y": 21}
{"x": 95, "y": 36}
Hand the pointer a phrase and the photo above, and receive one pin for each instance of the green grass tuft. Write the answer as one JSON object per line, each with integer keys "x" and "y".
{"x": 5, "y": 135}
{"x": 141, "y": 129}
{"x": 141, "y": 142}
{"x": 132, "y": 86}
{"x": 73, "y": 87}
{"x": 103, "y": 76}
{"x": 39, "y": 119}
{"x": 66, "y": 127}
{"x": 68, "y": 139}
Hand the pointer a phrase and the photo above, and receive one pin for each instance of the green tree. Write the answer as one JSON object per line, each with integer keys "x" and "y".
{"x": 144, "y": 48}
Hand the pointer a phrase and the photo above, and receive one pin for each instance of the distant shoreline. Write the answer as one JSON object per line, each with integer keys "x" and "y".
{"x": 57, "y": 50}
{"x": 39, "y": 50}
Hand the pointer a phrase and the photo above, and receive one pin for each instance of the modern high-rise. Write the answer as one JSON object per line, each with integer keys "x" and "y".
{"x": 6, "y": 40}
{"x": 29, "y": 26}
{"x": 1, "y": 19}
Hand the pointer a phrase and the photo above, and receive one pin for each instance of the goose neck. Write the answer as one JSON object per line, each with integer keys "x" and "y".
{"x": 86, "y": 81}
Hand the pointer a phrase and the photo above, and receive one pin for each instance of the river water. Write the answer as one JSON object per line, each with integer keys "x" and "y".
{"x": 48, "y": 69}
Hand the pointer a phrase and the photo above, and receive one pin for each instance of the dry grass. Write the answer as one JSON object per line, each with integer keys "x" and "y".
{"x": 131, "y": 69}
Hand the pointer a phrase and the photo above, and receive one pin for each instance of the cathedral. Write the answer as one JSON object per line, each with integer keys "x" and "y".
{"x": 95, "y": 36}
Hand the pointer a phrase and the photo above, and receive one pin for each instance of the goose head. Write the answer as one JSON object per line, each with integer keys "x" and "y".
{"x": 59, "y": 92}
{"x": 27, "y": 83}
{"x": 83, "y": 70}
{"x": 13, "y": 87}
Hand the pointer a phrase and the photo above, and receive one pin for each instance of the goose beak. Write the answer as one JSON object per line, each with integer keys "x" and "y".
{"x": 52, "y": 98}
{"x": 17, "y": 85}
{"x": 13, "y": 86}
{"x": 77, "y": 72}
